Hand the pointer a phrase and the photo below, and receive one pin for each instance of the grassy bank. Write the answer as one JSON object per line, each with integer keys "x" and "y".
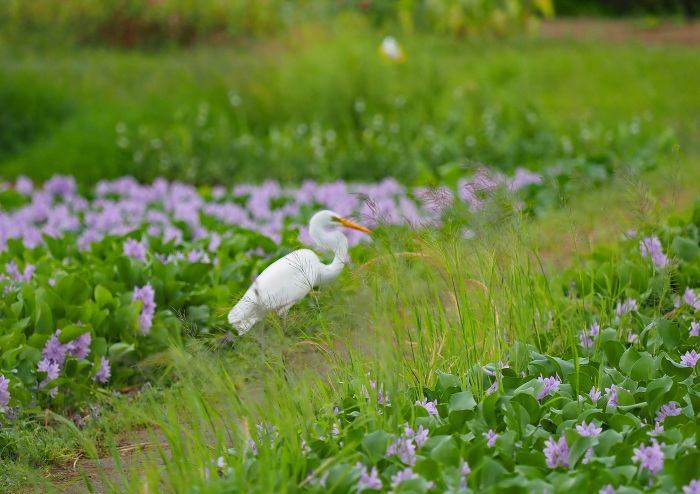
{"x": 327, "y": 106}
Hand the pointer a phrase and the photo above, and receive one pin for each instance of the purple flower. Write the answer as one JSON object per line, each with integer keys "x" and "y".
{"x": 625, "y": 307}
{"x": 670, "y": 410}
{"x": 52, "y": 372}
{"x": 650, "y": 457}
{"x": 694, "y": 329}
{"x": 551, "y": 384}
{"x": 492, "y": 436}
{"x": 404, "y": 448}
{"x": 420, "y": 437}
{"x": 691, "y": 298}
{"x": 24, "y": 185}
{"x": 401, "y": 475}
{"x": 135, "y": 249}
{"x": 380, "y": 394}
{"x": 430, "y": 406}
{"x": 588, "y": 430}
{"x": 608, "y": 489}
{"x": 146, "y": 295}
{"x": 613, "y": 395}
{"x": 80, "y": 347}
{"x": 651, "y": 247}
{"x": 658, "y": 429}
{"x": 690, "y": 358}
{"x": 595, "y": 329}
{"x": 253, "y": 446}
{"x": 4, "y": 391}
{"x": 632, "y": 337}
{"x": 54, "y": 350}
{"x": 556, "y": 452}
{"x": 464, "y": 470}
{"x": 594, "y": 393}
{"x": 305, "y": 450}
{"x": 585, "y": 341}
{"x": 492, "y": 388}
{"x": 105, "y": 371}
{"x": 368, "y": 480}
{"x": 313, "y": 480}
{"x": 692, "y": 488}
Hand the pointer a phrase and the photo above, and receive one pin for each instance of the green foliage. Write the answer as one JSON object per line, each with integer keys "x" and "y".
{"x": 450, "y": 106}
{"x": 144, "y": 24}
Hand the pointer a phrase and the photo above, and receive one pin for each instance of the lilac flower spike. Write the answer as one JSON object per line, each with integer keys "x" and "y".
{"x": 626, "y": 307}
{"x": 670, "y": 410}
{"x": 381, "y": 396}
{"x": 368, "y": 480}
{"x": 430, "y": 406}
{"x": 550, "y": 384}
{"x": 556, "y": 453}
{"x": 651, "y": 247}
{"x": 464, "y": 470}
{"x": 691, "y": 298}
{"x": 421, "y": 436}
{"x": 594, "y": 393}
{"x": 613, "y": 395}
{"x": 146, "y": 295}
{"x": 105, "y": 371}
{"x": 608, "y": 489}
{"x": 690, "y": 359}
{"x": 135, "y": 249}
{"x": 650, "y": 457}
{"x": 401, "y": 475}
{"x": 588, "y": 430}
{"x": 692, "y": 488}
{"x": 492, "y": 438}
{"x": 52, "y": 372}
{"x": 694, "y": 329}
{"x": 4, "y": 391}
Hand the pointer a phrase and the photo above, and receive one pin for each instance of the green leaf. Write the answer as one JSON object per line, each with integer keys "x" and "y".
{"x": 628, "y": 359}
{"x": 685, "y": 248}
{"x": 643, "y": 369}
{"x": 120, "y": 350}
{"x": 43, "y": 320}
{"x": 69, "y": 333}
{"x": 195, "y": 272}
{"x": 683, "y": 469}
{"x": 57, "y": 246}
{"x": 671, "y": 368}
{"x": 71, "y": 367}
{"x": 579, "y": 448}
{"x": 656, "y": 392}
{"x": 375, "y": 444}
{"x": 446, "y": 453}
{"x": 613, "y": 351}
{"x": 461, "y": 408}
{"x": 72, "y": 290}
{"x": 670, "y": 334}
{"x": 103, "y": 296}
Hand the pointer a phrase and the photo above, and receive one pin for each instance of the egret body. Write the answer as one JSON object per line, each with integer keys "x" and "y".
{"x": 287, "y": 280}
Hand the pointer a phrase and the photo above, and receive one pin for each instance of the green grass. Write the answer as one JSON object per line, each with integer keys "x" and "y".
{"x": 398, "y": 320}
{"x": 519, "y": 100}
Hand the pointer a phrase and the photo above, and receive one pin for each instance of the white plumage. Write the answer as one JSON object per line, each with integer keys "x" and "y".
{"x": 289, "y": 279}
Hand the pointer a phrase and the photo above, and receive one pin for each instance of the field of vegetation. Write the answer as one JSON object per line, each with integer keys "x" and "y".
{"x": 522, "y": 320}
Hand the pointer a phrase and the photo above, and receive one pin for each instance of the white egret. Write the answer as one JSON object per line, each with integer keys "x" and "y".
{"x": 287, "y": 280}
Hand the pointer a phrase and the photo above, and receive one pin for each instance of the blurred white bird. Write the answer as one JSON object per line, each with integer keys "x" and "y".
{"x": 391, "y": 49}
{"x": 287, "y": 280}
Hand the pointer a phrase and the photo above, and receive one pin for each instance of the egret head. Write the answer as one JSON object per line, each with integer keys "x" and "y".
{"x": 328, "y": 219}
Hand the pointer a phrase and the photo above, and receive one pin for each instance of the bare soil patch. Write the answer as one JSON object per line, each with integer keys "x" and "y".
{"x": 621, "y": 31}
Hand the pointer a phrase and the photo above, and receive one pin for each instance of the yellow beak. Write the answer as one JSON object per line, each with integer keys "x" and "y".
{"x": 350, "y": 224}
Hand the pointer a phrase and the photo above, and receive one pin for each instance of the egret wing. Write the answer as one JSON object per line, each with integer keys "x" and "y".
{"x": 284, "y": 283}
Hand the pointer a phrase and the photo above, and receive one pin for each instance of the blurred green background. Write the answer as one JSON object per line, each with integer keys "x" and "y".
{"x": 216, "y": 91}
